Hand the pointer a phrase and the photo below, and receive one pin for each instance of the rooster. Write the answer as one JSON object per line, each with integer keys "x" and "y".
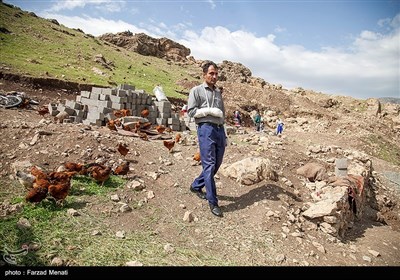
{"x": 122, "y": 149}
{"x": 169, "y": 144}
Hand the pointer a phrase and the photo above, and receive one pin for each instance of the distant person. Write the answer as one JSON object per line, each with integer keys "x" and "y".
{"x": 184, "y": 109}
{"x": 279, "y": 127}
{"x": 257, "y": 120}
{"x": 237, "y": 118}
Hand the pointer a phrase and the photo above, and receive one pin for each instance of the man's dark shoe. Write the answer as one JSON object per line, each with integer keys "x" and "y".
{"x": 199, "y": 193}
{"x": 216, "y": 210}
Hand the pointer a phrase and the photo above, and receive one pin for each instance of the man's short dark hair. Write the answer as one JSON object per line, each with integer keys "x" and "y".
{"x": 207, "y": 65}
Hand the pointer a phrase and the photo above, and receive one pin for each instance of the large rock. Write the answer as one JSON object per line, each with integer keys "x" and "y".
{"x": 250, "y": 171}
{"x": 149, "y": 46}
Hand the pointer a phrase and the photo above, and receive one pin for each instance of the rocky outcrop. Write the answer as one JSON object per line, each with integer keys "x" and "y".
{"x": 145, "y": 45}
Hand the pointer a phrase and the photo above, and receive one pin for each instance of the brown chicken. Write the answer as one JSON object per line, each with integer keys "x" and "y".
{"x": 168, "y": 129}
{"x": 125, "y": 127}
{"x": 145, "y": 113}
{"x": 160, "y": 128}
{"x": 136, "y": 128}
{"x": 146, "y": 125}
{"x": 122, "y": 149}
{"x": 59, "y": 191}
{"x": 111, "y": 125}
{"x": 38, "y": 173}
{"x": 41, "y": 183}
{"x": 43, "y": 111}
{"x": 143, "y": 136}
{"x": 36, "y": 194}
{"x": 122, "y": 169}
{"x": 178, "y": 137}
{"x": 197, "y": 157}
{"x": 169, "y": 144}
{"x": 61, "y": 177}
{"x": 100, "y": 175}
{"x": 39, "y": 190}
{"x": 126, "y": 112}
{"x": 25, "y": 104}
{"x": 122, "y": 113}
{"x": 118, "y": 122}
{"x": 72, "y": 166}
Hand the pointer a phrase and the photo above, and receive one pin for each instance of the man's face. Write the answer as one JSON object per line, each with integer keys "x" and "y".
{"x": 211, "y": 77}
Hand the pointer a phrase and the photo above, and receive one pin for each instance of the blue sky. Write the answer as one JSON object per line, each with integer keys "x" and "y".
{"x": 349, "y": 48}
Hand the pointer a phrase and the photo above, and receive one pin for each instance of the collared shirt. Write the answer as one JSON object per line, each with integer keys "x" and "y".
{"x": 202, "y": 96}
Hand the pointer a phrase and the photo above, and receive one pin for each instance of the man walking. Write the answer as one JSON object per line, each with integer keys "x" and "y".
{"x": 206, "y": 106}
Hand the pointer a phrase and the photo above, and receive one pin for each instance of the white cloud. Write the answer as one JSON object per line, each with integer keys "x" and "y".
{"x": 104, "y": 5}
{"x": 279, "y": 29}
{"x": 212, "y": 4}
{"x": 67, "y": 5}
{"x": 95, "y": 26}
{"x": 369, "y": 69}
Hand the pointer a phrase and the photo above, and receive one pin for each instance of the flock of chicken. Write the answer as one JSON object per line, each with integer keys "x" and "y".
{"x": 56, "y": 185}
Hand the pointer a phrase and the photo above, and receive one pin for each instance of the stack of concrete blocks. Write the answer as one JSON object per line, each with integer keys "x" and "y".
{"x": 167, "y": 118}
{"x": 96, "y": 107}
{"x": 75, "y": 111}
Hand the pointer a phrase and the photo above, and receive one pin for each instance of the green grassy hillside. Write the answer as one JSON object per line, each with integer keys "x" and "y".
{"x": 37, "y": 47}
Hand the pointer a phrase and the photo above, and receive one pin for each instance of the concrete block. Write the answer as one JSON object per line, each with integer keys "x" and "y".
{"x": 126, "y": 87}
{"x": 164, "y": 115}
{"x": 85, "y": 94}
{"x": 72, "y": 104}
{"x": 173, "y": 121}
{"x": 103, "y": 103}
{"x": 96, "y": 90}
{"x": 118, "y": 106}
{"x": 107, "y": 91}
{"x": 95, "y": 96}
{"x": 104, "y": 97}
